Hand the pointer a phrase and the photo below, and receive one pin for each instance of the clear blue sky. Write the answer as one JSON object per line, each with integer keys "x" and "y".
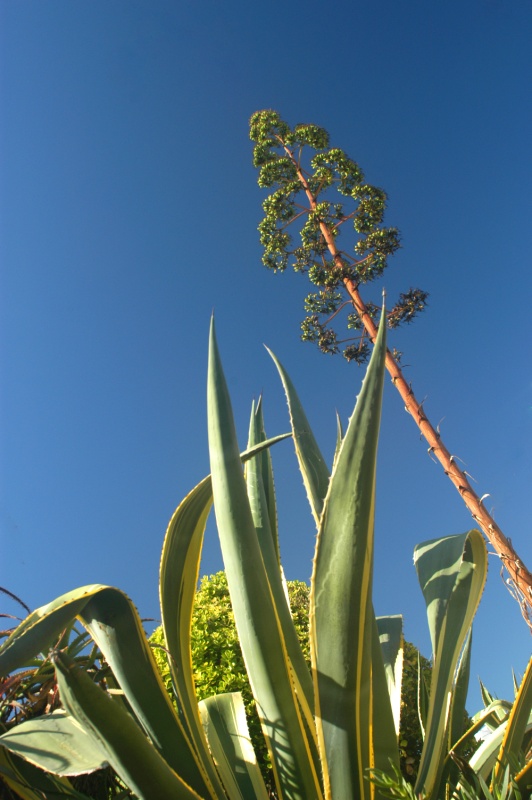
{"x": 129, "y": 209}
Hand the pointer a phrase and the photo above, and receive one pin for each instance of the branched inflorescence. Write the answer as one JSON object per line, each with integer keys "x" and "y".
{"x": 304, "y": 188}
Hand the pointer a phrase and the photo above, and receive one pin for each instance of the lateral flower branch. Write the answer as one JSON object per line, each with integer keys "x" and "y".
{"x": 301, "y": 197}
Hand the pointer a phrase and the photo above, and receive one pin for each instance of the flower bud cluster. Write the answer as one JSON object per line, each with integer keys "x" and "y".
{"x": 305, "y": 199}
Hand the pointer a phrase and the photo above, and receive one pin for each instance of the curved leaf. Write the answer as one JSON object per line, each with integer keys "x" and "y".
{"x": 311, "y": 462}
{"x": 260, "y": 511}
{"x": 390, "y": 631}
{"x": 31, "y": 783}
{"x": 55, "y": 743}
{"x": 42, "y": 628}
{"x": 339, "y": 437}
{"x": 226, "y": 728}
{"x": 256, "y": 617}
{"x": 128, "y": 751}
{"x": 257, "y": 434}
{"x": 342, "y": 622}
{"x": 512, "y": 743}
{"x": 457, "y": 716}
{"x": 115, "y": 626}
{"x": 485, "y": 756}
{"x": 179, "y": 570}
{"x": 452, "y": 573}
{"x": 384, "y": 695}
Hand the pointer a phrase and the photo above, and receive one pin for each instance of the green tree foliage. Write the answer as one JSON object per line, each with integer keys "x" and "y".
{"x": 219, "y": 667}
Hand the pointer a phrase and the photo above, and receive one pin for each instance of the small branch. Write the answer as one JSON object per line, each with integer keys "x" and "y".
{"x": 340, "y": 307}
{"x": 296, "y": 216}
{"x": 16, "y": 599}
{"x": 344, "y": 219}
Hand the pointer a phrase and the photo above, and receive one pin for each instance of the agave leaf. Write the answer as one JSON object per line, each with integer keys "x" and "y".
{"x": 177, "y": 587}
{"x": 226, "y": 728}
{"x": 504, "y": 783}
{"x": 115, "y": 626}
{"x": 487, "y": 697}
{"x": 56, "y": 743}
{"x": 384, "y": 729}
{"x": 515, "y": 682}
{"x": 390, "y": 631}
{"x": 258, "y": 503}
{"x": 342, "y": 622}
{"x": 472, "y": 785}
{"x": 262, "y": 464}
{"x": 256, "y": 616}
{"x": 269, "y": 487}
{"x": 452, "y": 572}
{"x": 339, "y": 437}
{"x": 524, "y": 778}
{"x": 422, "y": 697}
{"x": 42, "y": 628}
{"x": 261, "y": 517}
{"x": 31, "y": 783}
{"x": 511, "y": 747}
{"x": 496, "y": 712}
{"x": 457, "y": 716}
{"x": 311, "y": 462}
{"x": 485, "y": 756}
{"x": 133, "y": 757}
{"x": 459, "y": 696}
{"x": 75, "y": 641}
{"x": 488, "y": 718}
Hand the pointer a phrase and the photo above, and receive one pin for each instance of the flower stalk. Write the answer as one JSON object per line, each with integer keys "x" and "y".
{"x": 278, "y": 153}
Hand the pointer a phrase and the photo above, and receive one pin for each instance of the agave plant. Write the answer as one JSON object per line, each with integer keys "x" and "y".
{"x": 219, "y": 667}
{"x": 326, "y": 728}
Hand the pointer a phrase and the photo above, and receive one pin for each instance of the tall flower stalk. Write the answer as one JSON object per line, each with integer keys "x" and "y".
{"x": 301, "y": 198}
